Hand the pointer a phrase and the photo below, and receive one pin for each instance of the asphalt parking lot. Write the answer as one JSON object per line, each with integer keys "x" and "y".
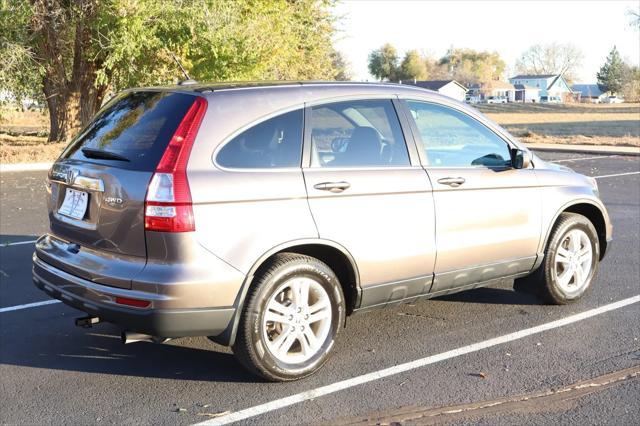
{"x": 586, "y": 371}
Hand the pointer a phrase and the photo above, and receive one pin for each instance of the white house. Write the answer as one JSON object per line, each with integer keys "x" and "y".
{"x": 450, "y": 88}
{"x": 589, "y": 93}
{"x": 553, "y": 87}
{"x": 494, "y": 88}
{"x": 526, "y": 93}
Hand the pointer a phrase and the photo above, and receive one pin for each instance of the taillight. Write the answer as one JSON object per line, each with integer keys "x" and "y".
{"x": 168, "y": 205}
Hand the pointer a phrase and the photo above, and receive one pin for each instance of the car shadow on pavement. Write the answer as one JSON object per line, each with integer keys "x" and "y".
{"x": 498, "y": 296}
{"x": 99, "y": 350}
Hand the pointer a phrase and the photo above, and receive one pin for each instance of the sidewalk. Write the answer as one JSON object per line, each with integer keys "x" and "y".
{"x": 586, "y": 149}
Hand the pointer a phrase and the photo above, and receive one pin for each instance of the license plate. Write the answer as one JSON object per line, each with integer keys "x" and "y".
{"x": 74, "y": 204}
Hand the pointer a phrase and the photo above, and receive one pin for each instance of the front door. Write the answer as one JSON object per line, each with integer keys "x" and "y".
{"x": 367, "y": 195}
{"x": 488, "y": 214}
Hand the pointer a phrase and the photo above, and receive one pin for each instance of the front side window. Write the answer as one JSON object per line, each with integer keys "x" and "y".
{"x": 453, "y": 139}
{"x": 276, "y": 142}
{"x": 363, "y": 133}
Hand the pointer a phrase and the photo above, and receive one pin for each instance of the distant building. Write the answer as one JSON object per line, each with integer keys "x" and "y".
{"x": 526, "y": 93}
{"x": 450, "y": 88}
{"x": 494, "y": 91}
{"x": 589, "y": 93}
{"x": 553, "y": 87}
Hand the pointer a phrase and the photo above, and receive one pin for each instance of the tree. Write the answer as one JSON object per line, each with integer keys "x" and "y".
{"x": 383, "y": 63}
{"x": 74, "y": 52}
{"x": 634, "y": 16}
{"x": 631, "y": 84}
{"x": 611, "y": 74}
{"x": 553, "y": 58}
{"x": 340, "y": 65}
{"x": 413, "y": 66}
{"x": 468, "y": 66}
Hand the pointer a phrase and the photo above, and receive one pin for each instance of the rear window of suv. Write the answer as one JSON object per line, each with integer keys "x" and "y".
{"x": 134, "y": 125}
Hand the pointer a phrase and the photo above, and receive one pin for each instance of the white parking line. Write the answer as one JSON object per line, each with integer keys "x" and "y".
{"x": 17, "y": 243}
{"x": 28, "y": 305}
{"x": 412, "y": 365}
{"x": 582, "y": 159}
{"x": 617, "y": 174}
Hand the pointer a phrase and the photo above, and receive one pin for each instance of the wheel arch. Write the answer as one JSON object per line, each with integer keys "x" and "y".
{"x": 336, "y": 256}
{"x": 592, "y": 211}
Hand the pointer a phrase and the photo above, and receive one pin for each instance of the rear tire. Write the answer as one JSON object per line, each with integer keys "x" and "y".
{"x": 570, "y": 262}
{"x": 294, "y": 312}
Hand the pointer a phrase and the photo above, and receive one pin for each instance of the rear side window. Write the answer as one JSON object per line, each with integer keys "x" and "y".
{"x": 276, "y": 142}
{"x": 362, "y": 133}
{"x": 134, "y": 125}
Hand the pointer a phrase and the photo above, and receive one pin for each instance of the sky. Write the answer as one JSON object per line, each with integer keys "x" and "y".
{"x": 508, "y": 27}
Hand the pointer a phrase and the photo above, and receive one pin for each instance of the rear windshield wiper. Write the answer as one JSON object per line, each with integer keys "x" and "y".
{"x": 105, "y": 155}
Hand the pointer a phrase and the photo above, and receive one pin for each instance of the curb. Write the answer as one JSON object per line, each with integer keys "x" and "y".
{"x": 24, "y": 167}
{"x": 586, "y": 149}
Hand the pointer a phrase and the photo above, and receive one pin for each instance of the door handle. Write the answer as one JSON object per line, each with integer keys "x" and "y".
{"x": 452, "y": 181}
{"x": 334, "y": 187}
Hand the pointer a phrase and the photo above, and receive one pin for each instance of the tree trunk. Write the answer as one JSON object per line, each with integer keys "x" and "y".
{"x": 72, "y": 97}
{"x": 70, "y": 110}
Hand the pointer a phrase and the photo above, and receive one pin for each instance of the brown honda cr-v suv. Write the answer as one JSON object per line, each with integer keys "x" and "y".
{"x": 261, "y": 215}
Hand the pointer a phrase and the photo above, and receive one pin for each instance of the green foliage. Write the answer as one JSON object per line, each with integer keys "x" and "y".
{"x": 383, "y": 63}
{"x": 611, "y": 74}
{"x": 413, "y": 66}
{"x": 72, "y": 53}
{"x": 468, "y": 66}
{"x": 131, "y": 41}
{"x": 20, "y": 71}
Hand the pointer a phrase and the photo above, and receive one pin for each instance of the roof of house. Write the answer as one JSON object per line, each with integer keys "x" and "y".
{"x": 433, "y": 84}
{"x": 558, "y": 78}
{"x": 533, "y": 76}
{"x": 525, "y": 87}
{"x": 587, "y": 89}
{"x": 493, "y": 84}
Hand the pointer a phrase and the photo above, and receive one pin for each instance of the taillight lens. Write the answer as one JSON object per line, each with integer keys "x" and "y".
{"x": 168, "y": 205}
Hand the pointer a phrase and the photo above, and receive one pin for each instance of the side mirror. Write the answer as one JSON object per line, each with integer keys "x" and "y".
{"x": 520, "y": 159}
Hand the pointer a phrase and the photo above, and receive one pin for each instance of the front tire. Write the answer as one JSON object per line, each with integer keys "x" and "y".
{"x": 294, "y": 312}
{"x": 570, "y": 262}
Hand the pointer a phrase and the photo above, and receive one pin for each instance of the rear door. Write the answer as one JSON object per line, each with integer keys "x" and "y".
{"x": 367, "y": 194}
{"x": 98, "y": 185}
{"x": 488, "y": 214}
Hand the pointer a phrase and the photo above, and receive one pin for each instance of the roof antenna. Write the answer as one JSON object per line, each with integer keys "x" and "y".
{"x": 188, "y": 80}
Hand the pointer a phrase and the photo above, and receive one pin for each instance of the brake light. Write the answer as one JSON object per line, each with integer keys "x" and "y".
{"x": 168, "y": 205}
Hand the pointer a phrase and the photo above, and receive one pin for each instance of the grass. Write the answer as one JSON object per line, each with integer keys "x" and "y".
{"x": 585, "y": 124}
{"x": 23, "y": 137}
{"x": 23, "y": 134}
{"x": 28, "y": 149}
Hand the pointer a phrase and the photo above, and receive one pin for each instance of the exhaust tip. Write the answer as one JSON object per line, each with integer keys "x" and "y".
{"x": 131, "y": 337}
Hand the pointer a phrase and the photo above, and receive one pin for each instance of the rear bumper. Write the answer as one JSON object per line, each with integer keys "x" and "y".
{"x": 99, "y": 301}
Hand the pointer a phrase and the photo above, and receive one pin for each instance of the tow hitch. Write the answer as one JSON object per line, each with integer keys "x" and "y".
{"x": 87, "y": 322}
